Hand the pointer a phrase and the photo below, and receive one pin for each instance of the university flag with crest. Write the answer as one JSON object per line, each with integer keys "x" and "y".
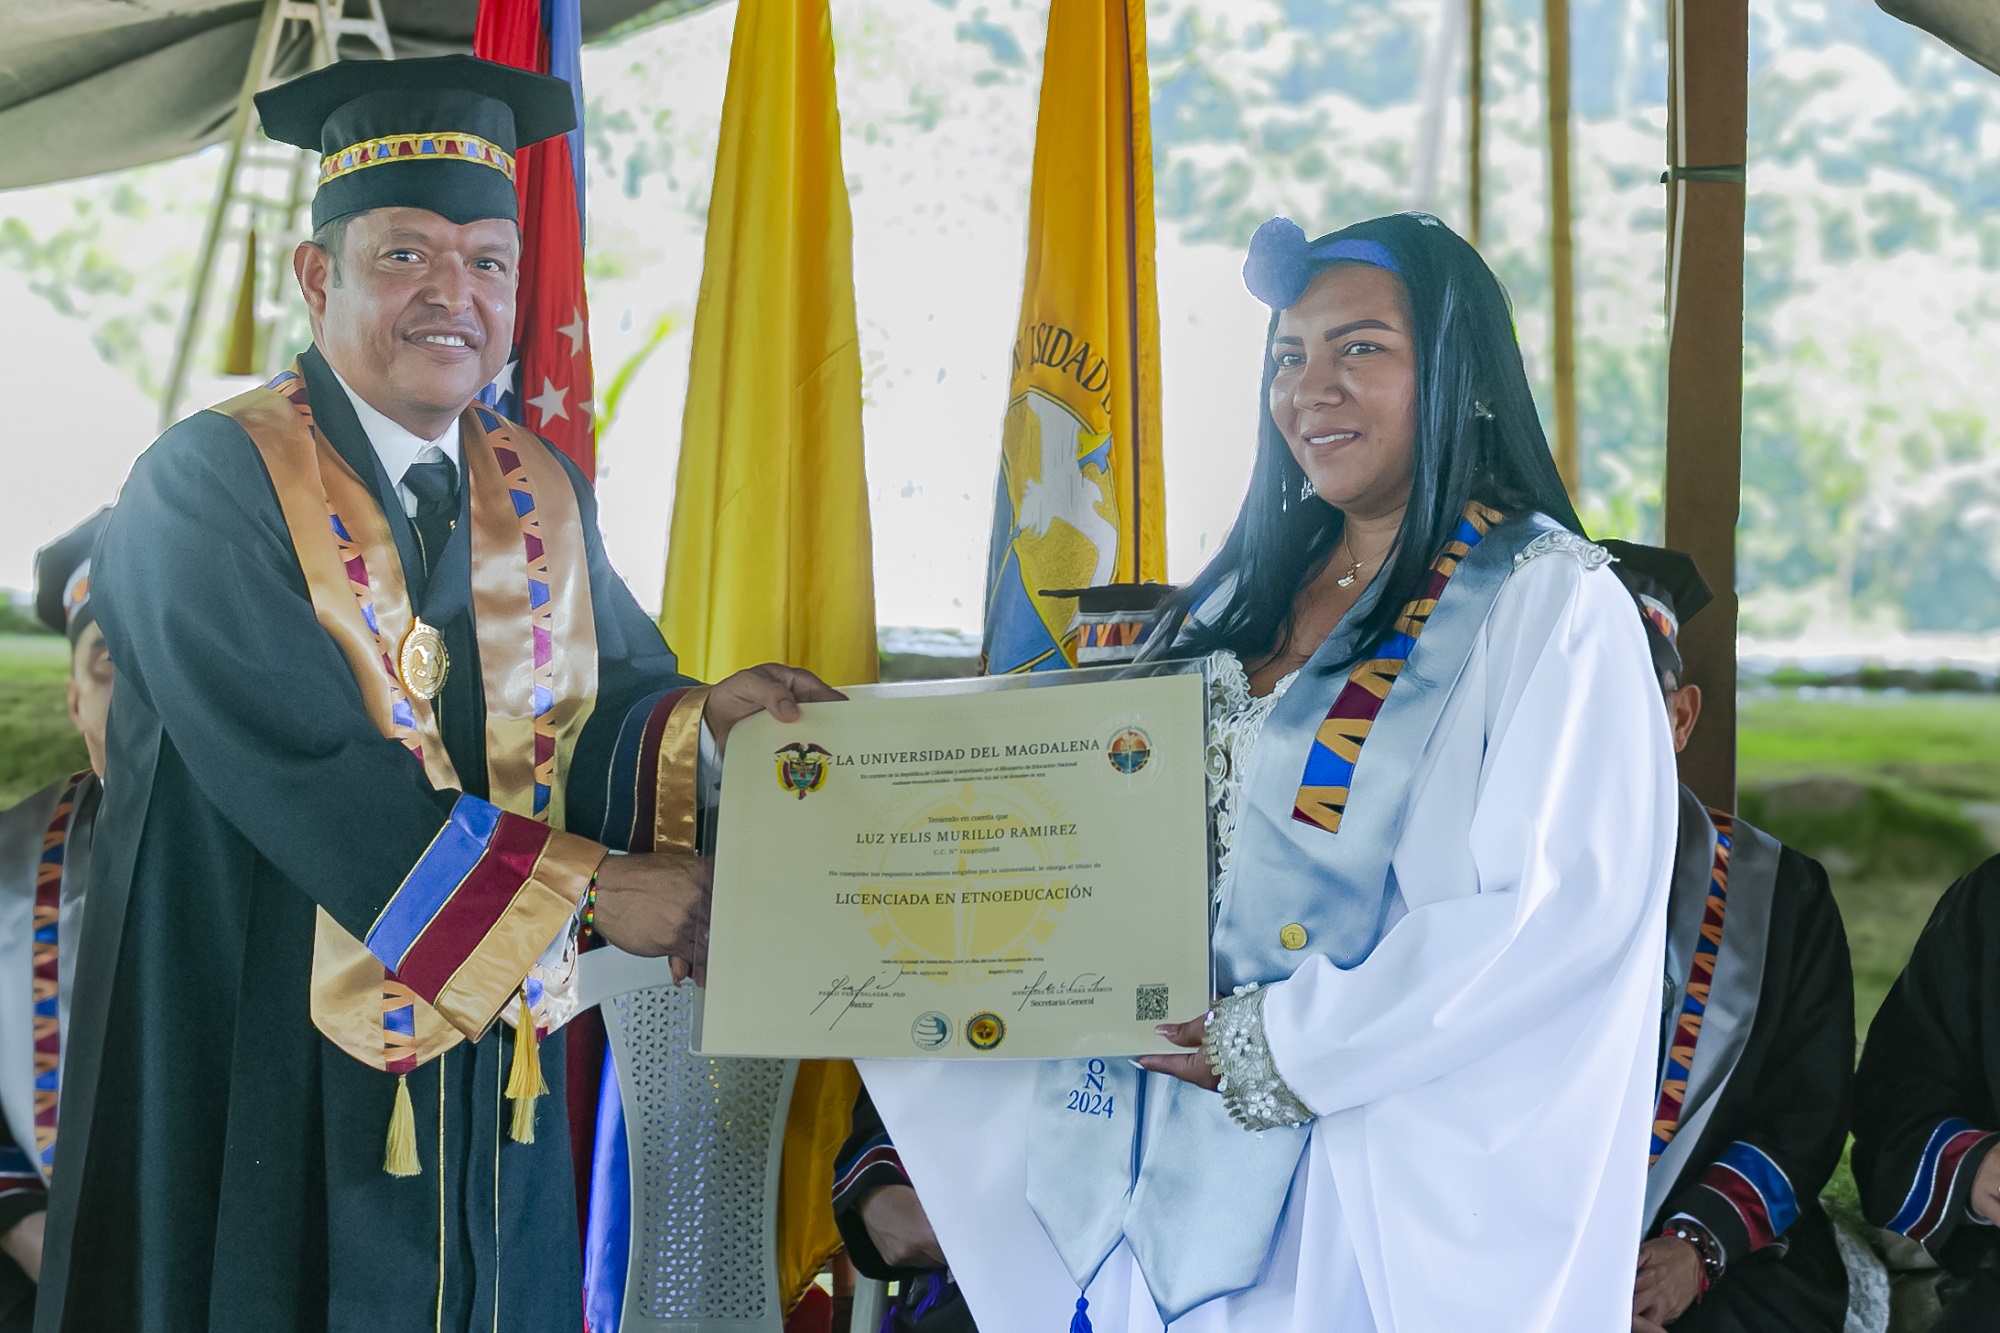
{"x": 1081, "y": 499}
{"x": 771, "y": 558}
{"x": 547, "y": 383}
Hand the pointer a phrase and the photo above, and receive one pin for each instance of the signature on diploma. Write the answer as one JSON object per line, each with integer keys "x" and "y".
{"x": 1083, "y": 983}
{"x": 850, "y": 994}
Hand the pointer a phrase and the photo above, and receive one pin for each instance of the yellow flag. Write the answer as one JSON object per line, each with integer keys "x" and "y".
{"x": 240, "y": 356}
{"x": 1081, "y": 499}
{"x": 770, "y": 557}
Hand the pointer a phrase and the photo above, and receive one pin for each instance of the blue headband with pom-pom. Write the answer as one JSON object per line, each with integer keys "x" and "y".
{"x": 1282, "y": 261}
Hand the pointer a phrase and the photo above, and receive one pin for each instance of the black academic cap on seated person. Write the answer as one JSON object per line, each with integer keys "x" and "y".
{"x": 62, "y": 578}
{"x": 438, "y": 134}
{"x": 1669, "y": 589}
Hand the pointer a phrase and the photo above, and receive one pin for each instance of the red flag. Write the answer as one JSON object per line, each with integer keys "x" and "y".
{"x": 547, "y": 383}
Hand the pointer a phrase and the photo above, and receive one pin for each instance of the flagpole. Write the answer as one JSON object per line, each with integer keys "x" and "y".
{"x": 1475, "y": 99}
{"x": 1561, "y": 249}
{"x": 1137, "y": 451}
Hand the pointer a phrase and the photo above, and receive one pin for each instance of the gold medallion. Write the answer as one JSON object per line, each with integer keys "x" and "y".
{"x": 423, "y": 663}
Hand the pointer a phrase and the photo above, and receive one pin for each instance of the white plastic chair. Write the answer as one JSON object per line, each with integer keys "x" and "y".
{"x": 705, "y": 1138}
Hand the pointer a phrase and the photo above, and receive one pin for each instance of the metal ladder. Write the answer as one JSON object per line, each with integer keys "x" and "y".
{"x": 265, "y": 186}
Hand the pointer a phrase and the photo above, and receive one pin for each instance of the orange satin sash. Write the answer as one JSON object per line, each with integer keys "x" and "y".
{"x": 537, "y": 648}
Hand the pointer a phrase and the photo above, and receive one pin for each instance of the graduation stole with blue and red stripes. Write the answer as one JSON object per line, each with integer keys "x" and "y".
{"x": 1694, "y": 1003}
{"x": 418, "y": 983}
{"x": 1747, "y": 1178}
{"x": 1336, "y": 747}
{"x": 45, "y": 962}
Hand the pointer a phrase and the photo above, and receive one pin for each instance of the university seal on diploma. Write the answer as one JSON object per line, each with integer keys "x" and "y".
{"x": 1012, "y": 867}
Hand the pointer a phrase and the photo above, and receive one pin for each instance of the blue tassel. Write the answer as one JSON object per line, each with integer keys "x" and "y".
{"x": 1080, "y": 1321}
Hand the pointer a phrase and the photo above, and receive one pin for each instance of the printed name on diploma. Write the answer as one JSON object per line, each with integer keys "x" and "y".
{"x": 941, "y": 836}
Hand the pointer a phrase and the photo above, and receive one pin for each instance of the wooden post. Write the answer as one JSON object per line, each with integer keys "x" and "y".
{"x": 1707, "y": 101}
{"x": 1475, "y": 110}
{"x": 1562, "y": 259}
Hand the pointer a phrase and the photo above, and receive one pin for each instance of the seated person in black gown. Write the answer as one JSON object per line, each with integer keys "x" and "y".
{"x": 1757, "y": 1037}
{"x": 45, "y": 845}
{"x": 1927, "y": 1103}
{"x": 886, "y": 1233}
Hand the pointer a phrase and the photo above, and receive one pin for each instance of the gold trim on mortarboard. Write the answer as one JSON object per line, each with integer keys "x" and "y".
{"x": 444, "y": 146}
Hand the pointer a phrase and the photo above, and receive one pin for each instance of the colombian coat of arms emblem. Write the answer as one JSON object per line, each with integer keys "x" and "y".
{"x": 802, "y": 767}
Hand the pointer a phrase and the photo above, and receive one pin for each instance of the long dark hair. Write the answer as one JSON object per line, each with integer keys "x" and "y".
{"x": 1478, "y": 438}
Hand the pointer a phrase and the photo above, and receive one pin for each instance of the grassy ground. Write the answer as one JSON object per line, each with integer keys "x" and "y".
{"x": 37, "y": 743}
{"x": 1896, "y": 795}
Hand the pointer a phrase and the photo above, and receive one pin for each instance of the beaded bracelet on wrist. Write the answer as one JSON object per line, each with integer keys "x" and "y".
{"x": 1704, "y": 1245}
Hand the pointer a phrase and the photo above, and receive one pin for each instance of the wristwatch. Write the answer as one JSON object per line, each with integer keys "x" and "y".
{"x": 1695, "y": 1234}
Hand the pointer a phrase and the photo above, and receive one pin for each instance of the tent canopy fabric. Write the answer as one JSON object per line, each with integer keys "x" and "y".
{"x": 88, "y": 86}
{"x": 1973, "y": 26}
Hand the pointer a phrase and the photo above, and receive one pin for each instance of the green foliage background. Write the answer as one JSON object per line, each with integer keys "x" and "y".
{"x": 1871, "y": 485}
{"x": 37, "y": 743}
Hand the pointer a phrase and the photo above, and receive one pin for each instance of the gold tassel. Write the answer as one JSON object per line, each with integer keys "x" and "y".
{"x": 401, "y": 1157}
{"x": 525, "y": 1082}
{"x": 240, "y": 358}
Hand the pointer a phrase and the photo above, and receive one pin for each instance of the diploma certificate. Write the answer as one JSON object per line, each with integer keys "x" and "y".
{"x": 990, "y": 871}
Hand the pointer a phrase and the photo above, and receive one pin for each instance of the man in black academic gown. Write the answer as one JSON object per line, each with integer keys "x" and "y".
{"x": 382, "y": 706}
{"x": 45, "y": 845}
{"x": 1757, "y": 1050}
{"x": 1927, "y": 1103}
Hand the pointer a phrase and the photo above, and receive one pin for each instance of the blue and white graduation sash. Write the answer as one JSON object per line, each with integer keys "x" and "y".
{"x": 1197, "y": 1197}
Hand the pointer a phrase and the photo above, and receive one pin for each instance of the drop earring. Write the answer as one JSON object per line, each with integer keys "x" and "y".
{"x": 1481, "y": 410}
{"x": 1307, "y": 490}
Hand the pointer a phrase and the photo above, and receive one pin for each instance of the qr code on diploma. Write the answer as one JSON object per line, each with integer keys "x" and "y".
{"x": 1152, "y": 1006}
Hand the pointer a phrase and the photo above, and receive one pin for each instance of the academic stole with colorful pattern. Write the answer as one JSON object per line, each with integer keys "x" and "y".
{"x": 1694, "y": 1004}
{"x": 47, "y": 976}
{"x": 1336, "y": 748}
{"x": 538, "y": 665}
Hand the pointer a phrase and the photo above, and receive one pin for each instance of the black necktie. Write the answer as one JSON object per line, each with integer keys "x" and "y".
{"x": 434, "y": 481}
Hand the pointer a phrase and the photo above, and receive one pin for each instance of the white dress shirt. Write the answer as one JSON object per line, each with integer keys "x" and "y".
{"x": 397, "y": 447}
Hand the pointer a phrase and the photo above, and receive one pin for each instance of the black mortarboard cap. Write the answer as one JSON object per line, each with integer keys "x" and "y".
{"x": 1669, "y": 589}
{"x": 62, "y": 578}
{"x": 438, "y": 134}
{"x": 1138, "y": 600}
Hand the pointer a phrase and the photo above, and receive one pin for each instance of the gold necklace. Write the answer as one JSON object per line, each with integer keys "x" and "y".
{"x": 1354, "y": 570}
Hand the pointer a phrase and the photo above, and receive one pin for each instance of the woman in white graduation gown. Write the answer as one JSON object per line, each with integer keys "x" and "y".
{"x": 1444, "y": 810}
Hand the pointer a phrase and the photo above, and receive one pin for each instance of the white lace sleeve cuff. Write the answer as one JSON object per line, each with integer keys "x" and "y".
{"x": 1252, "y": 1088}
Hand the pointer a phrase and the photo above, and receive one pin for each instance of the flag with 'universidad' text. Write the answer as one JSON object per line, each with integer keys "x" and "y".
{"x": 1081, "y": 499}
